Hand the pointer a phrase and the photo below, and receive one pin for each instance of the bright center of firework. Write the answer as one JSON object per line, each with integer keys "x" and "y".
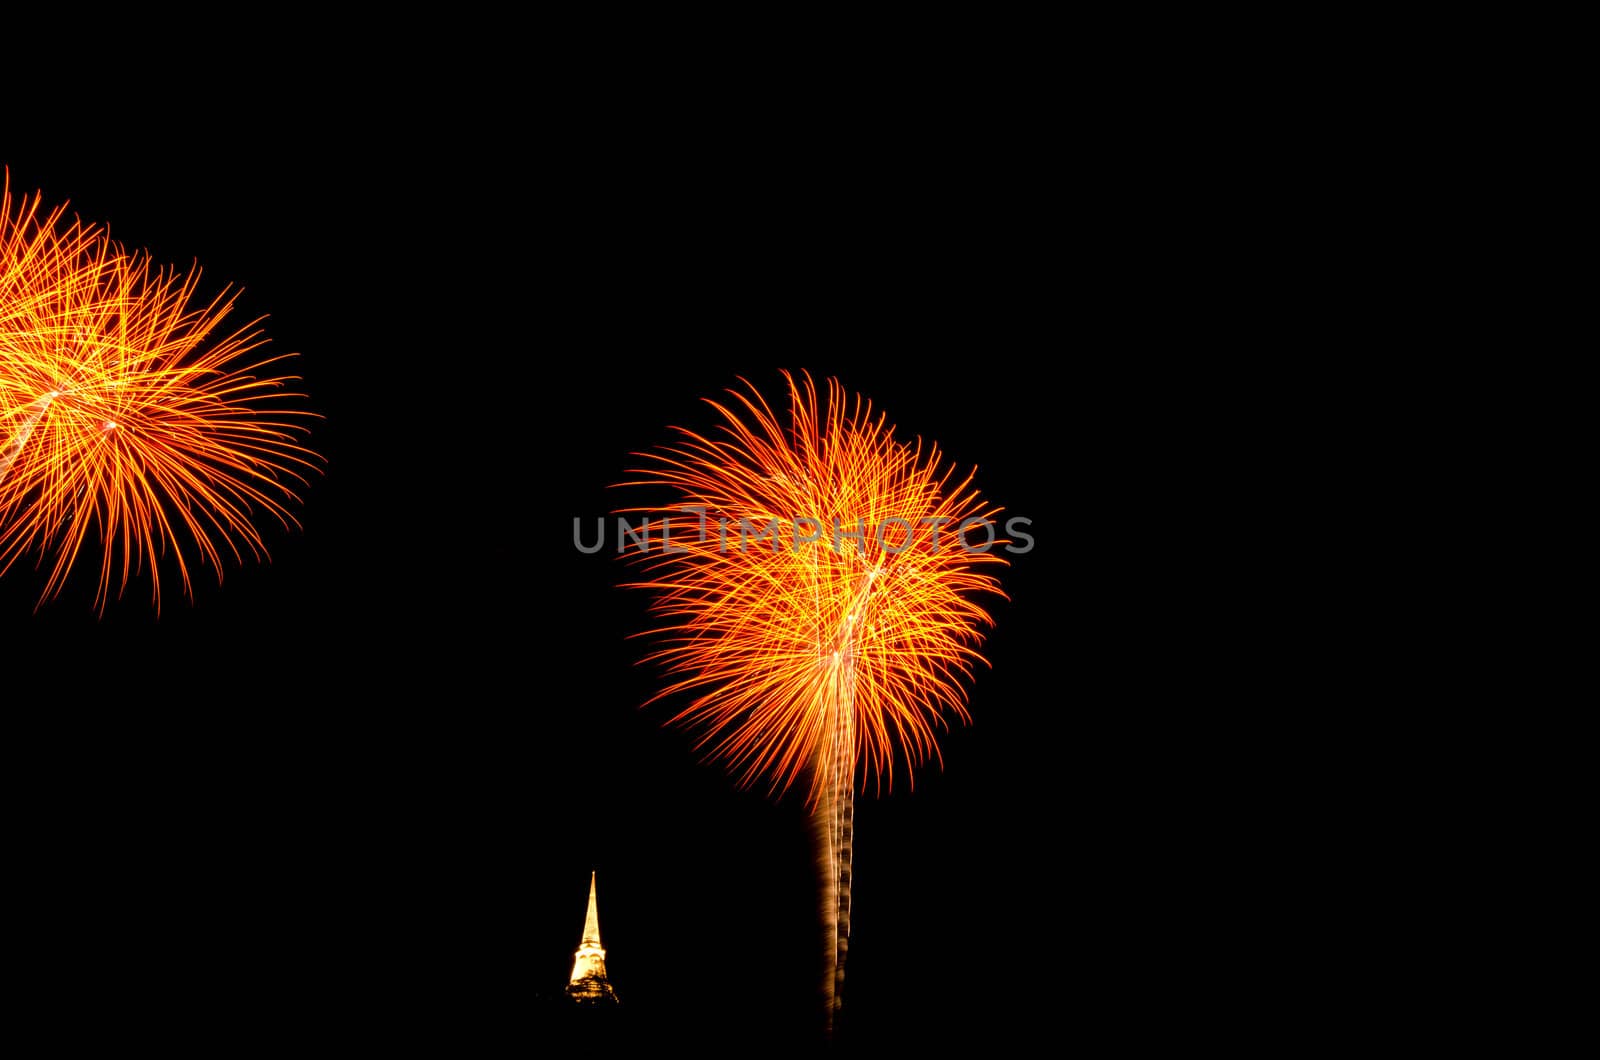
{"x": 109, "y": 425}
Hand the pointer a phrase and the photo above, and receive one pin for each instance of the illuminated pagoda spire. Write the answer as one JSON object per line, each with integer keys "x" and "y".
{"x": 589, "y": 984}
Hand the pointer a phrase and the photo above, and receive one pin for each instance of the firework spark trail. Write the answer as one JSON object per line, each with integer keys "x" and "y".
{"x": 131, "y": 419}
{"x": 838, "y": 863}
{"x": 827, "y": 656}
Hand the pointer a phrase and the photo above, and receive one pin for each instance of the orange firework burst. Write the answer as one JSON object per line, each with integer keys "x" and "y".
{"x": 131, "y": 423}
{"x": 817, "y": 576}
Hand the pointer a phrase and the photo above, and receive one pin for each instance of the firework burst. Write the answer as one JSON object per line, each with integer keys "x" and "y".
{"x": 134, "y": 424}
{"x": 817, "y": 579}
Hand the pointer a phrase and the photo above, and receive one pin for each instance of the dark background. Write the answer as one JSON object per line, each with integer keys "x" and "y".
{"x": 361, "y": 789}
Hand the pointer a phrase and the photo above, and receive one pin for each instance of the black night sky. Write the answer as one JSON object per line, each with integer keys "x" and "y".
{"x": 356, "y": 794}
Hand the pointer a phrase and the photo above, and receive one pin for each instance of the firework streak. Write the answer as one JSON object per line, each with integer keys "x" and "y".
{"x": 133, "y": 423}
{"x": 831, "y": 639}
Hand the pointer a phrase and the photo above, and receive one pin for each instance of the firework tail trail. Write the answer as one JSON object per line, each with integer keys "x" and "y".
{"x": 835, "y": 814}
{"x": 835, "y": 827}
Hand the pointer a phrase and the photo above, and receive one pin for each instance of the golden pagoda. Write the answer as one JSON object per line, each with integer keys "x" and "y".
{"x": 589, "y": 984}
